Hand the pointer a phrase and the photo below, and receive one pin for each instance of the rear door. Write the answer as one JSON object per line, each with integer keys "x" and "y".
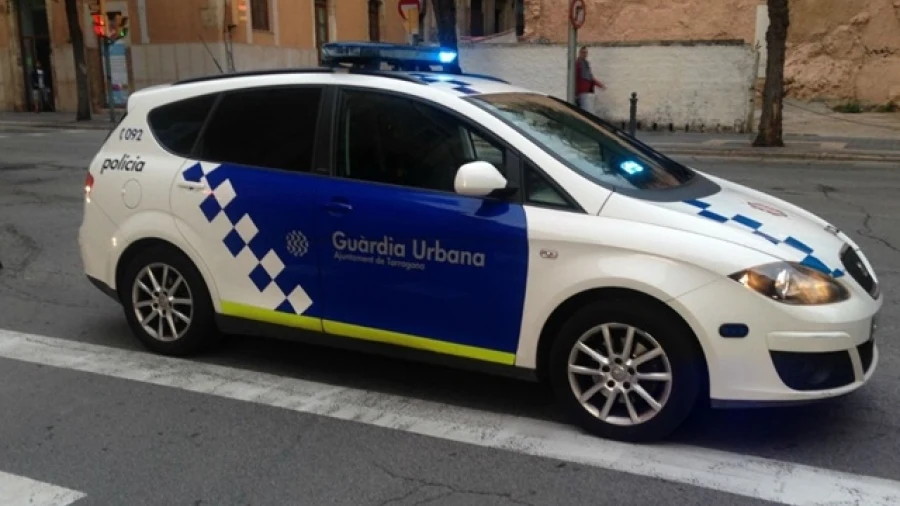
{"x": 244, "y": 201}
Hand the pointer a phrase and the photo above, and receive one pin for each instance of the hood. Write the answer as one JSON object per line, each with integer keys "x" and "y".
{"x": 744, "y": 216}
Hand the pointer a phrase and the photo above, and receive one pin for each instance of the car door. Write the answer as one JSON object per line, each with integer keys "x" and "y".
{"x": 406, "y": 260}
{"x": 244, "y": 201}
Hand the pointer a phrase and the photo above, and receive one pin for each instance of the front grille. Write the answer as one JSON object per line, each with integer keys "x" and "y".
{"x": 857, "y": 270}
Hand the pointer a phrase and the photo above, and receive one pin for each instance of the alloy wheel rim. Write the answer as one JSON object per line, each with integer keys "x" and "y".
{"x": 620, "y": 374}
{"x": 162, "y": 302}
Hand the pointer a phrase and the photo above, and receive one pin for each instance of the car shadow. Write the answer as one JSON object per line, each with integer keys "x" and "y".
{"x": 758, "y": 431}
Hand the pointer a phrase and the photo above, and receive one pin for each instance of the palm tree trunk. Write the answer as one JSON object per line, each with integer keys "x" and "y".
{"x": 770, "y": 121}
{"x": 81, "y": 77}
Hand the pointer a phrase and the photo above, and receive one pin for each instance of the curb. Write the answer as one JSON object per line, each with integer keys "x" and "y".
{"x": 780, "y": 154}
{"x": 74, "y": 125}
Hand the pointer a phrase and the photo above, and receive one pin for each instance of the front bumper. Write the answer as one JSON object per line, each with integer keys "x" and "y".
{"x": 791, "y": 354}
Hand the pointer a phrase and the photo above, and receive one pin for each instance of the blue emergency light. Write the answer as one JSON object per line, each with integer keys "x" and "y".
{"x": 372, "y": 55}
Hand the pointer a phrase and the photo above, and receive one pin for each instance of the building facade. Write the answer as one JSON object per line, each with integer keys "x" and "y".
{"x": 174, "y": 39}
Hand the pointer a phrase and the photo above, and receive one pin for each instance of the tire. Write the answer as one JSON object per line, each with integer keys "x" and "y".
{"x": 655, "y": 325}
{"x": 196, "y": 335}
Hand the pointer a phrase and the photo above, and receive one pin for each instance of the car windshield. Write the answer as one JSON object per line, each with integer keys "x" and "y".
{"x": 588, "y": 145}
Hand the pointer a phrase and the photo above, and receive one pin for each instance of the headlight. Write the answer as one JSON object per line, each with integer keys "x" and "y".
{"x": 792, "y": 283}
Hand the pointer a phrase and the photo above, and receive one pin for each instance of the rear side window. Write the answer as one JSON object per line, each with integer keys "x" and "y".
{"x": 177, "y": 125}
{"x": 266, "y": 127}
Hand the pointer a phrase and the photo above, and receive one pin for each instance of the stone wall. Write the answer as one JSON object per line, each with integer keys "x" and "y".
{"x": 636, "y": 20}
{"x": 698, "y": 84}
{"x": 8, "y": 92}
{"x": 66, "y": 90}
{"x": 844, "y": 49}
{"x": 837, "y": 49}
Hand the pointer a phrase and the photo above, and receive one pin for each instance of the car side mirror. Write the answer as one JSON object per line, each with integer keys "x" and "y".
{"x": 479, "y": 179}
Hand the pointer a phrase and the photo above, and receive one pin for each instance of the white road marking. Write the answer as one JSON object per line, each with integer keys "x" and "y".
{"x": 754, "y": 477}
{"x": 20, "y": 491}
{"x": 37, "y": 134}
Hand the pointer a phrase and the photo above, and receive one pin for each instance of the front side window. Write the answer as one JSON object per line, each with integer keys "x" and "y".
{"x": 595, "y": 150}
{"x": 265, "y": 127}
{"x": 539, "y": 190}
{"x": 391, "y": 139}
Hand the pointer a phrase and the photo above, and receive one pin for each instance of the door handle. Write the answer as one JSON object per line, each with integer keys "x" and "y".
{"x": 338, "y": 207}
{"x": 188, "y": 185}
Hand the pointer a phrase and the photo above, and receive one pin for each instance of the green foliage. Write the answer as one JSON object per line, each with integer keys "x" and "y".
{"x": 855, "y": 107}
{"x": 852, "y": 107}
{"x": 891, "y": 106}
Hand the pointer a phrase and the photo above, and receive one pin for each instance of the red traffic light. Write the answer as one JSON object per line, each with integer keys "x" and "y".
{"x": 99, "y": 25}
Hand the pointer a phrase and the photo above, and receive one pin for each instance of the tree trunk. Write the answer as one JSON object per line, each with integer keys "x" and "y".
{"x": 445, "y": 15}
{"x": 81, "y": 76}
{"x": 770, "y": 121}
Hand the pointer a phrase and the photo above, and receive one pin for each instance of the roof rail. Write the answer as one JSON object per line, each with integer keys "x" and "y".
{"x": 485, "y": 77}
{"x": 252, "y": 73}
{"x": 301, "y": 70}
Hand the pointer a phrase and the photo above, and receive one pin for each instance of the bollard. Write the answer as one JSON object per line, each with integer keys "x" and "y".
{"x": 632, "y": 116}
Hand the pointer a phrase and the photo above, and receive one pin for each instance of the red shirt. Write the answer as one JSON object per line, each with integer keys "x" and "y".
{"x": 582, "y": 85}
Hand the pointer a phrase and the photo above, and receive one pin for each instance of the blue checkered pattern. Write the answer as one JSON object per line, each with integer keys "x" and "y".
{"x": 460, "y": 86}
{"x": 278, "y": 287}
{"x": 810, "y": 260}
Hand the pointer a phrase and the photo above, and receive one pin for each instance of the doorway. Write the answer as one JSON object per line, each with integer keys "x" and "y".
{"x": 476, "y": 18}
{"x": 34, "y": 40}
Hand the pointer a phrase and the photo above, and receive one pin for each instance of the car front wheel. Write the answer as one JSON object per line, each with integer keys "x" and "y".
{"x": 626, "y": 370}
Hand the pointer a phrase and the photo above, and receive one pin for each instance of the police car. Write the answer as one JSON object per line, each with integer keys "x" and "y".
{"x": 383, "y": 204}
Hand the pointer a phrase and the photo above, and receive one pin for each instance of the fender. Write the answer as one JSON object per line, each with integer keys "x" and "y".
{"x": 160, "y": 225}
{"x": 659, "y": 277}
{"x": 596, "y": 252}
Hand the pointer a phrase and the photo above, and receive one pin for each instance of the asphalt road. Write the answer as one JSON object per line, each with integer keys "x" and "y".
{"x": 143, "y": 441}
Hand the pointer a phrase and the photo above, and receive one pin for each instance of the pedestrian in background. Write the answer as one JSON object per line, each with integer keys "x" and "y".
{"x": 39, "y": 88}
{"x": 585, "y": 82}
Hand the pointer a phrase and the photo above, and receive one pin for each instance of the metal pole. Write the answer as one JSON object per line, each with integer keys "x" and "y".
{"x": 570, "y": 81}
{"x": 109, "y": 92}
{"x": 632, "y": 115}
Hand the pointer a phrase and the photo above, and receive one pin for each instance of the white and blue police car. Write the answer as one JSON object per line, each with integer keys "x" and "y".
{"x": 384, "y": 204}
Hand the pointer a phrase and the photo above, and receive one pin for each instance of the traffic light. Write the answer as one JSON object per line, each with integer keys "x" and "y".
{"x": 99, "y": 24}
{"x": 238, "y": 11}
{"x": 119, "y": 28}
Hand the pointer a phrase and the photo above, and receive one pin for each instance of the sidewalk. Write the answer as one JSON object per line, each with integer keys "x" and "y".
{"x": 56, "y": 120}
{"x": 797, "y": 146}
{"x": 811, "y": 132}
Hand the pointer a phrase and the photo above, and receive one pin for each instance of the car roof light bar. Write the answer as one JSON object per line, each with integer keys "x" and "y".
{"x": 399, "y": 56}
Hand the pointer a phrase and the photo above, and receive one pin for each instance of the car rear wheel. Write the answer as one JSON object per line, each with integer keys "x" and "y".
{"x": 626, "y": 370}
{"x": 167, "y": 304}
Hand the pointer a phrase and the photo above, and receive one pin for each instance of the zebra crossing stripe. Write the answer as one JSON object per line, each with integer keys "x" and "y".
{"x": 18, "y": 490}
